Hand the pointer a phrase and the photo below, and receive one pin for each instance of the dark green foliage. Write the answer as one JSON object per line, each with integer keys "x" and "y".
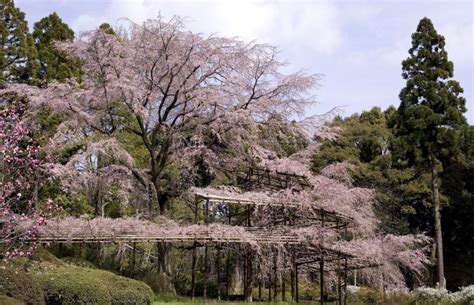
{"x": 5, "y": 300}
{"x": 54, "y": 64}
{"x": 76, "y": 205}
{"x": 70, "y": 285}
{"x": 48, "y": 123}
{"x": 107, "y": 28}
{"x": 458, "y": 185}
{"x": 75, "y": 285}
{"x": 126, "y": 291}
{"x": 18, "y": 54}
{"x": 427, "y": 123}
{"x": 278, "y": 135}
{"x": 362, "y": 138}
{"x": 20, "y": 285}
{"x": 403, "y": 194}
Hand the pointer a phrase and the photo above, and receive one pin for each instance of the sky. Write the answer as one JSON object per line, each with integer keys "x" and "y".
{"x": 357, "y": 45}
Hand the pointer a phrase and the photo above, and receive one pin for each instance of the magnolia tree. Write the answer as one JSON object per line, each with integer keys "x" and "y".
{"x": 22, "y": 174}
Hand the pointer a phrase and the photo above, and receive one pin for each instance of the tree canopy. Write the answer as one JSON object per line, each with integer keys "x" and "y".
{"x": 18, "y": 54}
{"x": 54, "y": 64}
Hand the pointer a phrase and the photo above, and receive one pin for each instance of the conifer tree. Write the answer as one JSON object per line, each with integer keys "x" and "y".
{"x": 54, "y": 64}
{"x": 107, "y": 28}
{"x": 430, "y": 117}
{"x": 18, "y": 55}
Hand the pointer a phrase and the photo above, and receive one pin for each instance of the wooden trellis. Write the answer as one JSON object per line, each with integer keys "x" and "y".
{"x": 332, "y": 219}
{"x": 277, "y": 233}
{"x": 262, "y": 178}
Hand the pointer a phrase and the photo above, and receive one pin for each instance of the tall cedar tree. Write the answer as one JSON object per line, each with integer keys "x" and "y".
{"x": 428, "y": 121}
{"x": 18, "y": 55}
{"x": 54, "y": 64}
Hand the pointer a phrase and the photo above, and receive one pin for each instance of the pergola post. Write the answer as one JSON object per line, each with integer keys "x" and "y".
{"x": 193, "y": 271}
{"x": 339, "y": 284}
{"x": 227, "y": 264}
{"x": 345, "y": 281}
{"x": 270, "y": 285}
{"x": 283, "y": 287}
{"x": 249, "y": 278}
{"x": 248, "y": 266}
{"x": 206, "y": 270}
{"x": 321, "y": 268}
{"x": 275, "y": 278}
{"x": 227, "y": 273}
{"x": 206, "y": 265}
{"x": 296, "y": 284}
{"x": 245, "y": 269}
{"x": 194, "y": 254}
{"x": 321, "y": 279}
{"x": 218, "y": 265}
{"x": 259, "y": 282}
{"x": 292, "y": 281}
{"x": 134, "y": 250}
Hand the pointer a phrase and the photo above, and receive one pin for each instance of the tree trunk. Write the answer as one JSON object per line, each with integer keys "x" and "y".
{"x": 164, "y": 267}
{"x": 437, "y": 220}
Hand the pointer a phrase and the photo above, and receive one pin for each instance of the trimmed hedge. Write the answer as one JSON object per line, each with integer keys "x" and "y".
{"x": 19, "y": 285}
{"x": 76, "y": 285}
{"x": 126, "y": 291}
{"x": 4, "y": 300}
{"x": 73, "y": 285}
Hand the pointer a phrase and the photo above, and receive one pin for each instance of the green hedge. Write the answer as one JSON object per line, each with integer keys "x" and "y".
{"x": 76, "y": 285}
{"x": 125, "y": 291}
{"x": 4, "y": 300}
{"x": 19, "y": 285}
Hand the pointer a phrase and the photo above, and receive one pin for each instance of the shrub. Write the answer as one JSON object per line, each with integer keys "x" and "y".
{"x": 438, "y": 296}
{"x": 73, "y": 285}
{"x": 76, "y": 285}
{"x": 19, "y": 285}
{"x": 370, "y": 296}
{"x": 4, "y": 300}
{"x": 363, "y": 295}
{"x": 126, "y": 291}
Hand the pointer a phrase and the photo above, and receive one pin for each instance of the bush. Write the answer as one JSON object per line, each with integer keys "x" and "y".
{"x": 4, "y": 300}
{"x": 126, "y": 291}
{"x": 75, "y": 285}
{"x": 428, "y": 295}
{"x": 19, "y": 285}
{"x": 363, "y": 295}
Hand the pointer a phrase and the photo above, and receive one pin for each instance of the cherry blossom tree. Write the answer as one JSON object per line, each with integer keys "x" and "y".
{"x": 163, "y": 83}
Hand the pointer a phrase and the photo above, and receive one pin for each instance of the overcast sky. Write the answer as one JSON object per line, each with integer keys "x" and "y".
{"x": 357, "y": 45}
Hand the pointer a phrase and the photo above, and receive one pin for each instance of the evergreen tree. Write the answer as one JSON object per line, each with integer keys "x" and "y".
{"x": 54, "y": 64}
{"x": 402, "y": 191}
{"x": 107, "y": 28}
{"x": 428, "y": 121}
{"x": 18, "y": 55}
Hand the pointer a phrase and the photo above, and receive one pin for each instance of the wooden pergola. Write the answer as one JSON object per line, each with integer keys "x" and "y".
{"x": 314, "y": 257}
{"x": 303, "y": 255}
{"x": 256, "y": 177}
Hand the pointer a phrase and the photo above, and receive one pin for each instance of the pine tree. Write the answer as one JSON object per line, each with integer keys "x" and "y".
{"x": 18, "y": 55}
{"x": 54, "y": 64}
{"x": 428, "y": 121}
